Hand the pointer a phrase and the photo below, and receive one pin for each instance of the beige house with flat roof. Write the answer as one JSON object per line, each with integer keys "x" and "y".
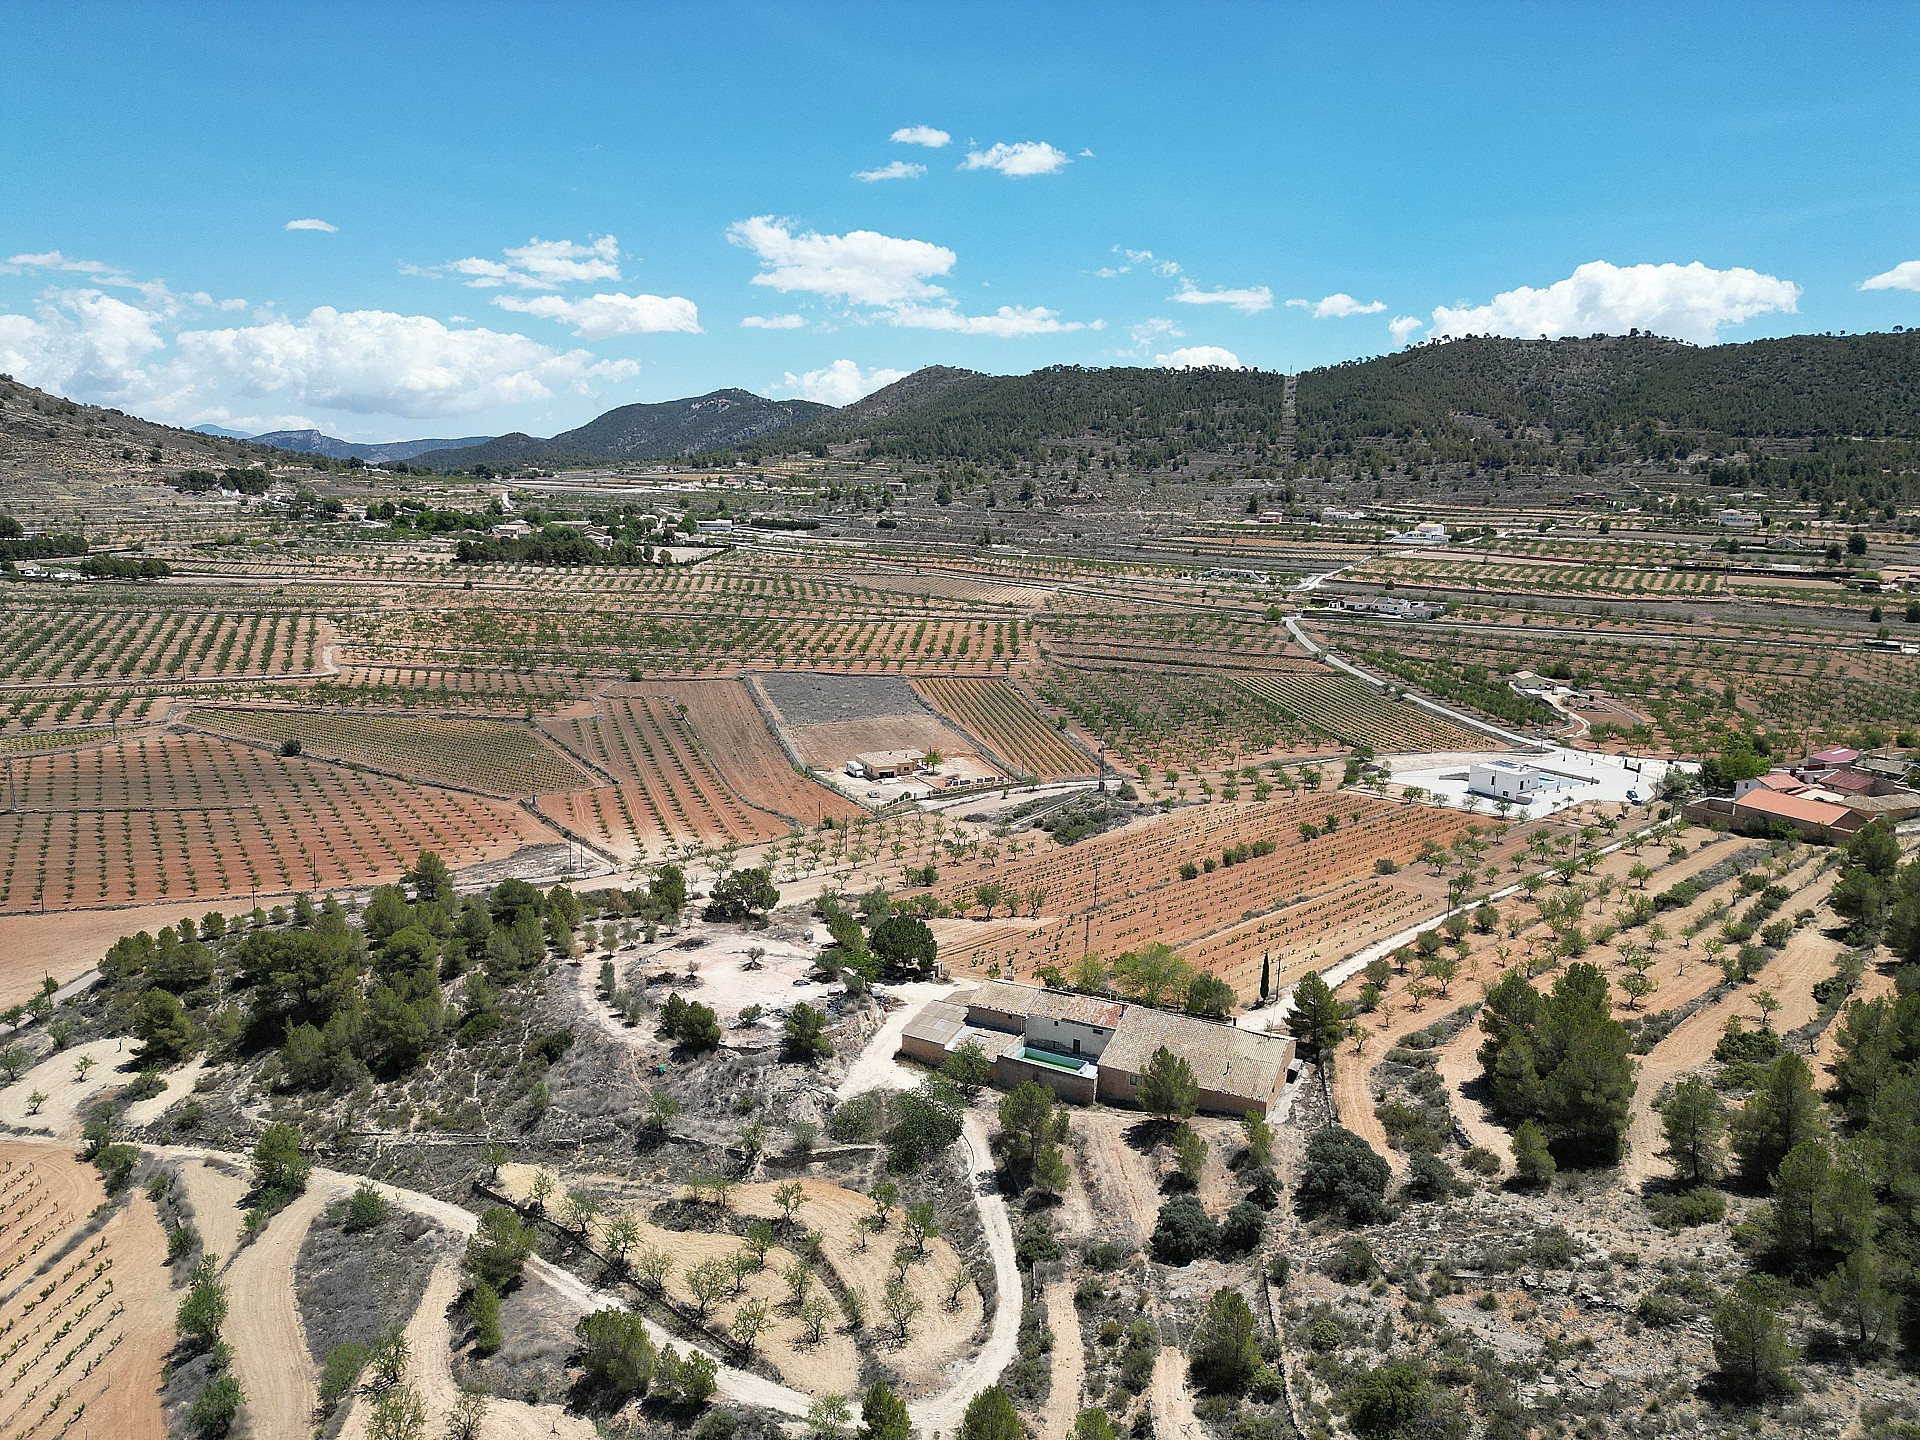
{"x": 1087, "y": 1048}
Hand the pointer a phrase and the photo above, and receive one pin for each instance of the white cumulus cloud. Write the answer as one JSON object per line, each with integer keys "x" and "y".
{"x": 772, "y": 322}
{"x": 375, "y": 361}
{"x": 892, "y": 170}
{"x": 862, "y": 266}
{"x": 312, "y": 224}
{"x": 1689, "y": 302}
{"x": 81, "y": 343}
{"x": 840, "y": 383}
{"x": 1023, "y": 157}
{"x": 925, "y": 135}
{"x": 600, "y": 317}
{"x": 541, "y": 264}
{"x": 100, "y": 348}
{"x": 1248, "y": 301}
{"x": 1904, "y": 276}
{"x": 1008, "y": 320}
{"x": 1199, "y": 357}
{"x": 1403, "y": 328}
{"x": 1338, "y": 306}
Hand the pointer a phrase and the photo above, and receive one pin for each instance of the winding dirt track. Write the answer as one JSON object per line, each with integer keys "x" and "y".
{"x": 942, "y": 1414}
{"x": 270, "y": 1356}
{"x": 430, "y": 1343}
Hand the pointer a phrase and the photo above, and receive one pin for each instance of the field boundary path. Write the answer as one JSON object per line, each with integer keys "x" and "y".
{"x": 942, "y": 1413}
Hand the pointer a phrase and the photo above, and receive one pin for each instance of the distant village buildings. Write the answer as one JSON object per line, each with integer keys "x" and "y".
{"x": 1829, "y": 795}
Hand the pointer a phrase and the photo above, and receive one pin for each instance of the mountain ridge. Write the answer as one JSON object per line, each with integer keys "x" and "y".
{"x": 649, "y": 430}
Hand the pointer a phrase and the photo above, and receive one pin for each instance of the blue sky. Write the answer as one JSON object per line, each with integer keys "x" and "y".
{"x": 1269, "y": 185}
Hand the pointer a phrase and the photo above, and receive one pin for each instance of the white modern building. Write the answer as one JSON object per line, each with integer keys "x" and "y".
{"x": 1510, "y": 780}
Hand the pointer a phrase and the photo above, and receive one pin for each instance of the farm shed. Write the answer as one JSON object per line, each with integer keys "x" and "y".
{"x": 886, "y": 764}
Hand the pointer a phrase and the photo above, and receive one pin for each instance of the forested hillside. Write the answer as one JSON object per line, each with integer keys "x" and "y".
{"x": 1829, "y": 415}
{"x": 666, "y": 430}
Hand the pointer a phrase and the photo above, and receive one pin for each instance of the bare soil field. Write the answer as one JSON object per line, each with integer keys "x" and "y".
{"x": 740, "y": 744}
{"x": 96, "y": 1323}
{"x": 193, "y": 818}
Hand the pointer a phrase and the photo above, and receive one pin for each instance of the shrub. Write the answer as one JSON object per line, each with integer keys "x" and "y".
{"x": 1679, "y": 1211}
{"x": 204, "y": 1310}
{"x": 366, "y": 1209}
{"x": 1662, "y": 1312}
{"x": 616, "y": 1357}
{"x": 1354, "y": 1264}
{"x": 483, "y": 1309}
{"x": 1243, "y": 1228}
{"x": 1431, "y": 1178}
{"x": 1184, "y": 1232}
{"x": 1481, "y": 1161}
{"x": 342, "y": 1370}
{"x": 1397, "y": 1400}
{"x": 216, "y": 1407}
{"x": 1035, "y": 1243}
{"x": 856, "y": 1118}
{"x": 1343, "y": 1176}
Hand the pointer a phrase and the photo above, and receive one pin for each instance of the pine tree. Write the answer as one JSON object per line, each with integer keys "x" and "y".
{"x": 1694, "y": 1121}
{"x": 1225, "y": 1349}
{"x": 1532, "y": 1161}
{"x": 1781, "y": 1113}
{"x": 1318, "y": 1021}
{"x": 1750, "y": 1344}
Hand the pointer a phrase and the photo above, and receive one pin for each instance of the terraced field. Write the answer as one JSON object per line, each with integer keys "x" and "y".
{"x": 186, "y": 817}
{"x": 1354, "y": 712}
{"x": 1150, "y": 718}
{"x": 1003, "y": 718}
{"x": 497, "y": 756}
{"x": 737, "y": 739}
{"x": 669, "y": 788}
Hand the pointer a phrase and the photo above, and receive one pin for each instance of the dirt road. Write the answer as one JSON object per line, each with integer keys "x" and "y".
{"x": 430, "y": 1341}
{"x": 1069, "y": 1360}
{"x": 942, "y": 1414}
{"x": 214, "y": 1195}
{"x": 269, "y": 1343}
{"x": 876, "y": 1068}
{"x": 1459, "y": 1066}
{"x": 1171, "y": 1400}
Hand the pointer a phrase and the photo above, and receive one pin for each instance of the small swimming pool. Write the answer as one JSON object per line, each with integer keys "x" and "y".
{"x": 1048, "y": 1057}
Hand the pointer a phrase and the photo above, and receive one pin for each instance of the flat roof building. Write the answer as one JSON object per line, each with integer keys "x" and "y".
{"x": 1087, "y": 1047}
{"x": 886, "y": 764}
